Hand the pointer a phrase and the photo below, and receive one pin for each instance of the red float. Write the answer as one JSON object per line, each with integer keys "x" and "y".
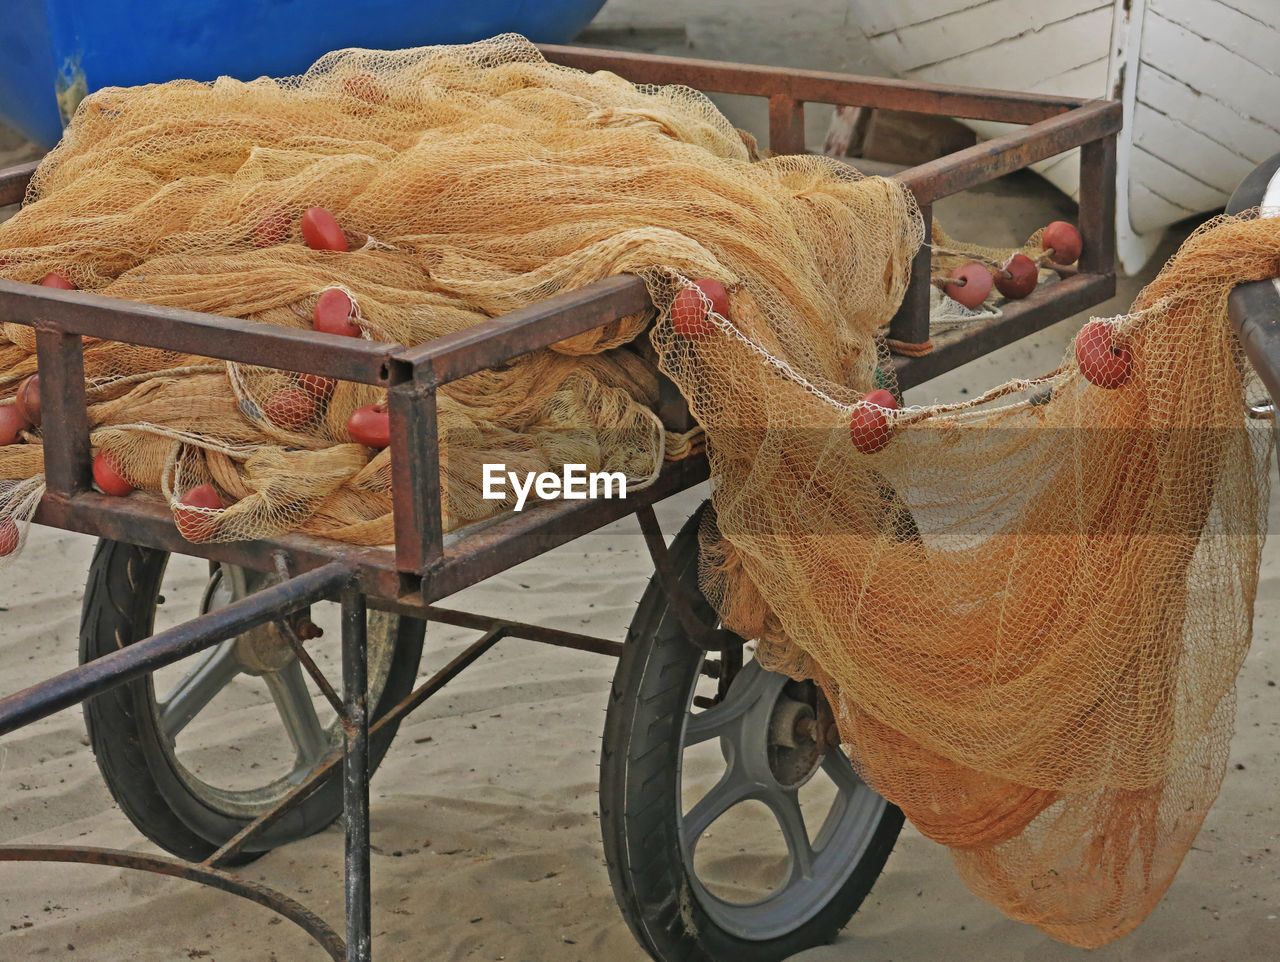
{"x": 54, "y": 279}
{"x": 870, "y": 427}
{"x": 334, "y": 313}
{"x": 320, "y": 388}
{"x": 29, "y": 398}
{"x": 9, "y": 536}
{"x": 1100, "y": 362}
{"x": 291, "y": 408}
{"x": 197, "y": 525}
{"x": 976, "y": 286}
{"x": 273, "y": 229}
{"x": 1018, "y": 277}
{"x": 108, "y": 476}
{"x": 321, "y": 230}
{"x": 12, "y": 423}
{"x": 689, "y": 313}
{"x": 1063, "y": 241}
{"x": 370, "y": 426}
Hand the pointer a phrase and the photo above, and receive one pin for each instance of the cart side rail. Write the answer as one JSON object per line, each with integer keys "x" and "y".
{"x": 816, "y": 86}
{"x": 423, "y": 562}
{"x": 62, "y": 319}
{"x": 1054, "y": 125}
{"x": 192, "y": 332}
{"x": 13, "y": 182}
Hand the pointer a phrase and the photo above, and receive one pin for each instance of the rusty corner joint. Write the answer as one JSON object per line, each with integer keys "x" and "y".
{"x": 417, "y": 498}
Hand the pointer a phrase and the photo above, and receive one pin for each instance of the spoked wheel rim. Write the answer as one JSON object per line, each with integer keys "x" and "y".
{"x": 754, "y": 721}
{"x": 265, "y": 654}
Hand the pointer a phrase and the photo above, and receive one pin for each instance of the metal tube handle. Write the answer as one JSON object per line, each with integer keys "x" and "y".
{"x": 1254, "y": 308}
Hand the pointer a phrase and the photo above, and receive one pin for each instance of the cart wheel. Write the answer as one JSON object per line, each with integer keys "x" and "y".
{"x": 660, "y": 805}
{"x": 239, "y": 725}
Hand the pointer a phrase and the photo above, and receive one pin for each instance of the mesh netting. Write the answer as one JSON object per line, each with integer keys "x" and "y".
{"x": 470, "y": 181}
{"x": 1027, "y": 610}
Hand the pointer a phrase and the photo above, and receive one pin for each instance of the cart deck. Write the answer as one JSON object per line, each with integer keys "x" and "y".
{"x": 424, "y": 566}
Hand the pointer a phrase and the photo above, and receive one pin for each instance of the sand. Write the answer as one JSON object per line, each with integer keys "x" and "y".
{"x": 485, "y": 825}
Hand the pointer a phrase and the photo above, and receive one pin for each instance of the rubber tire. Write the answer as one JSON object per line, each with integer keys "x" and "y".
{"x": 639, "y": 795}
{"x": 119, "y": 609}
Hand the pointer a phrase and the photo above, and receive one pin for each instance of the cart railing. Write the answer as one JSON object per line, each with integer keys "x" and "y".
{"x": 423, "y": 568}
{"x": 1054, "y": 125}
{"x": 421, "y": 563}
{"x": 14, "y": 180}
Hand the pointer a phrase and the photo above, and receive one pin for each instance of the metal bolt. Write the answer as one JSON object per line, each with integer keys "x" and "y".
{"x": 307, "y": 629}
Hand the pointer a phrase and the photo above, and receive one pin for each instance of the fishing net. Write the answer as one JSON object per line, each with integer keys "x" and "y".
{"x": 471, "y": 181}
{"x": 1027, "y": 611}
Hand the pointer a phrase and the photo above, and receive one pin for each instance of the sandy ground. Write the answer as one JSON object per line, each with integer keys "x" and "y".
{"x": 485, "y": 830}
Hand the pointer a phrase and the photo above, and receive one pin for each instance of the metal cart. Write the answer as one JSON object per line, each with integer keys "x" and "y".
{"x": 254, "y": 607}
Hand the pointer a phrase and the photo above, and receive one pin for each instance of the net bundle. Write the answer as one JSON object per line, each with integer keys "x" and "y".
{"x": 1027, "y": 611}
{"x": 470, "y": 181}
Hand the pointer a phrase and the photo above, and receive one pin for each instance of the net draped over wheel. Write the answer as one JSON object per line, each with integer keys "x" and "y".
{"x": 1027, "y": 614}
{"x": 1028, "y": 610}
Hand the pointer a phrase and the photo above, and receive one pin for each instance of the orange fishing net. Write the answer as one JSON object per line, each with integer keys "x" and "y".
{"x": 1028, "y": 614}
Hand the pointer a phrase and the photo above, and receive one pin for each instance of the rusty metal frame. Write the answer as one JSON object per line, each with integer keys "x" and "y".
{"x": 14, "y": 180}
{"x": 696, "y": 631}
{"x": 1054, "y": 125}
{"x": 422, "y": 568}
{"x": 189, "y": 638}
{"x": 423, "y": 565}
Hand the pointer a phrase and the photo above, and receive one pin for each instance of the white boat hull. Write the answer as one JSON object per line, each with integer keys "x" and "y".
{"x": 1200, "y": 81}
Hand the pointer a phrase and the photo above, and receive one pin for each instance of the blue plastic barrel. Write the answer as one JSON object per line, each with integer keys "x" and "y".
{"x": 54, "y": 51}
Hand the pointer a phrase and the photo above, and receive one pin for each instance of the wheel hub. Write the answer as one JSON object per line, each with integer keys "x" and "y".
{"x": 263, "y": 649}
{"x": 225, "y": 782}
{"x": 775, "y": 734}
{"x": 793, "y": 751}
